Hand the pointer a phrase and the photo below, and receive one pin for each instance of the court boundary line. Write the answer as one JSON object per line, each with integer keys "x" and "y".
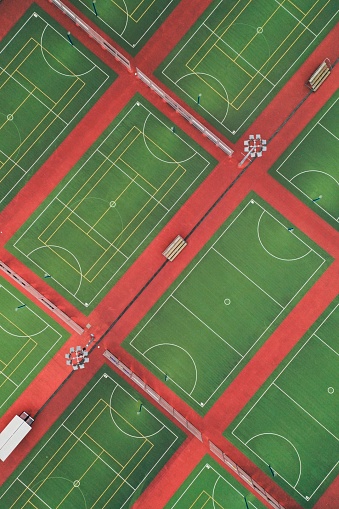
{"x": 293, "y": 65}
{"x": 283, "y": 308}
{"x": 195, "y": 177}
{"x": 59, "y": 337}
{"x": 289, "y": 397}
{"x": 318, "y": 122}
{"x": 169, "y": 2}
{"x": 207, "y": 466}
{"x": 69, "y": 414}
{"x": 77, "y": 113}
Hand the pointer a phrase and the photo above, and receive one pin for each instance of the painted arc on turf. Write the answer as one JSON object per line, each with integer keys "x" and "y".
{"x": 64, "y": 249}
{"x": 271, "y": 254}
{"x": 218, "y": 81}
{"x": 315, "y": 171}
{"x": 150, "y": 151}
{"x": 289, "y": 442}
{"x": 125, "y": 432}
{"x": 111, "y": 205}
{"x": 24, "y": 335}
{"x": 127, "y": 16}
{"x": 185, "y": 351}
{"x": 213, "y": 491}
{"x": 72, "y": 75}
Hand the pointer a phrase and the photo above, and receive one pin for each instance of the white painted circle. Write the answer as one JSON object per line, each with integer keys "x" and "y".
{"x": 10, "y": 117}
{"x": 260, "y": 30}
{"x": 227, "y": 302}
{"x": 76, "y": 484}
{"x": 330, "y": 390}
{"x": 112, "y": 203}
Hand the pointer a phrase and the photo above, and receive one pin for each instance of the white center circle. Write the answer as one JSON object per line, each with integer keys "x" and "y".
{"x": 76, "y": 484}
{"x": 260, "y": 30}
{"x": 227, "y": 302}
{"x": 112, "y": 204}
{"x": 330, "y": 390}
{"x": 10, "y": 117}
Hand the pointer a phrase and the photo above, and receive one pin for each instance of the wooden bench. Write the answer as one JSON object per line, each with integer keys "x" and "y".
{"x": 174, "y": 248}
{"x": 319, "y": 76}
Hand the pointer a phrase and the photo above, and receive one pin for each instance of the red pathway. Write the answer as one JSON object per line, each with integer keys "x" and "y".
{"x": 256, "y": 178}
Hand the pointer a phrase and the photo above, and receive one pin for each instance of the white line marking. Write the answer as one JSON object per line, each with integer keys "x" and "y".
{"x": 125, "y": 432}
{"x": 207, "y": 326}
{"x": 184, "y": 350}
{"x": 271, "y": 254}
{"x": 249, "y": 279}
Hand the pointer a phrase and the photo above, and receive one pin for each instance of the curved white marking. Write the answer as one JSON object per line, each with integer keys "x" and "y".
{"x": 68, "y": 251}
{"x": 64, "y": 479}
{"x": 214, "y": 486}
{"x": 49, "y": 65}
{"x": 214, "y": 78}
{"x": 23, "y": 335}
{"x": 156, "y": 157}
{"x": 284, "y": 438}
{"x": 20, "y": 139}
{"x": 127, "y": 14}
{"x": 271, "y": 254}
{"x": 125, "y": 432}
{"x": 315, "y": 171}
{"x": 101, "y": 199}
{"x": 183, "y": 349}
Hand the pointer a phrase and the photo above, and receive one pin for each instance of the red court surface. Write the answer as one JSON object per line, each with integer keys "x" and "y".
{"x": 54, "y": 385}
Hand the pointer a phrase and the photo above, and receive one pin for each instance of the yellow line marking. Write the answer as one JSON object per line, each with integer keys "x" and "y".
{"x": 298, "y": 8}
{"x": 258, "y": 71}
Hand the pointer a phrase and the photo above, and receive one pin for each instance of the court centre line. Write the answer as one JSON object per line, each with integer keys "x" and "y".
{"x": 89, "y": 226}
{"x": 136, "y": 183}
{"x": 255, "y": 284}
{"x": 207, "y": 326}
{"x": 139, "y": 224}
{"x": 79, "y": 440}
{"x": 306, "y": 412}
{"x": 33, "y": 493}
{"x": 298, "y": 20}
{"x": 240, "y": 56}
{"x": 31, "y": 93}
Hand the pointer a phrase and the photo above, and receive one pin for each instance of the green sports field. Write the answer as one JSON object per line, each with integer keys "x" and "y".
{"x": 240, "y": 53}
{"x": 210, "y": 486}
{"x": 227, "y": 302}
{"x": 129, "y": 22}
{"x": 102, "y": 452}
{"x": 309, "y": 167}
{"x": 109, "y": 207}
{"x": 47, "y": 85}
{"x": 29, "y": 339}
{"x": 292, "y": 423}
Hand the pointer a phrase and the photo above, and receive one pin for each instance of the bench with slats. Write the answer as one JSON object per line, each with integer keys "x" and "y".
{"x": 319, "y": 76}
{"x": 174, "y": 248}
